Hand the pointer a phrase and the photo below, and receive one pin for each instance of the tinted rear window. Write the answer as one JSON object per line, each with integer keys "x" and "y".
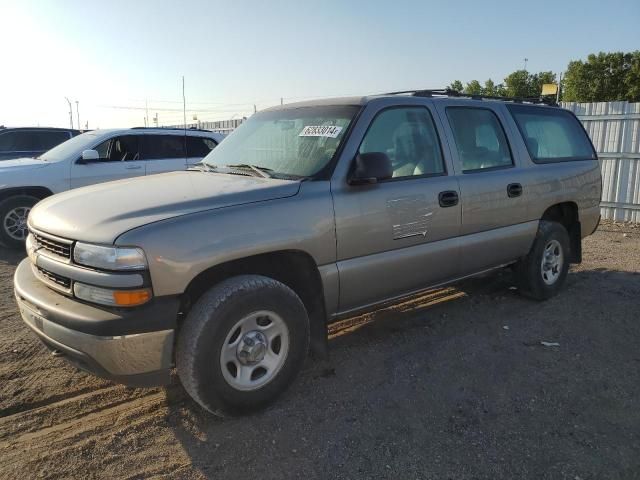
{"x": 199, "y": 146}
{"x": 552, "y": 135}
{"x": 163, "y": 147}
{"x": 31, "y": 140}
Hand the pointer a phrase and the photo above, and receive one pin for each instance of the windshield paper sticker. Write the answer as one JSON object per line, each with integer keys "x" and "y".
{"x": 330, "y": 131}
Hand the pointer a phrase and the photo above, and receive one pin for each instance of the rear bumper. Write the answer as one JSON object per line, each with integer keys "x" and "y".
{"x": 136, "y": 359}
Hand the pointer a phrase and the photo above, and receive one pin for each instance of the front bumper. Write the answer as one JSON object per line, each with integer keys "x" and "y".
{"x": 131, "y": 357}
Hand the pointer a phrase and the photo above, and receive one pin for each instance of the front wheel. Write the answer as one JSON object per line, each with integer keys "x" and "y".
{"x": 13, "y": 220}
{"x": 542, "y": 272}
{"x": 242, "y": 344}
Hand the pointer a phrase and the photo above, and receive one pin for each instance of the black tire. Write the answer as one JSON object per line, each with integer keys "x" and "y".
{"x": 529, "y": 271}
{"x": 8, "y": 205}
{"x": 210, "y": 321}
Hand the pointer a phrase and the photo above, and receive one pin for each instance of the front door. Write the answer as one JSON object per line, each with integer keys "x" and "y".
{"x": 119, "y": 158}
{"x": 398, "y": 235}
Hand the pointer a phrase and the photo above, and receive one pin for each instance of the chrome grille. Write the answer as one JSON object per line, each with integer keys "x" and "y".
{"x": 59, "y": 248}
{"x": 53, "y": 279}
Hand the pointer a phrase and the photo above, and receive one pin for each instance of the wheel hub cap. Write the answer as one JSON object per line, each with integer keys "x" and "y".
{"x": 15, "y": 222}
{"x": 552, "y": 262}
{"x": 252, "y": 348}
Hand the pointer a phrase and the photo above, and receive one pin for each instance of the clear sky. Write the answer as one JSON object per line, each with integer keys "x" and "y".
{"x": 112, "y": 55}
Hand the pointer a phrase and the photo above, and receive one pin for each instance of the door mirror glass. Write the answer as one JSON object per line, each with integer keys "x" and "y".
{"x": 90, "y": 156}
{"x": 371, "y": 167}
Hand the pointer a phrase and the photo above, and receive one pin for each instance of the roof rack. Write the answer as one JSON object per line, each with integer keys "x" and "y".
{"x": 447, "y": 92}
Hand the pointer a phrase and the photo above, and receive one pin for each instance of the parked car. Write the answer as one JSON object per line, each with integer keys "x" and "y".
{"x": 306, "y": 214}
{"x": 93, "y": 157}
{"x": 31, "y": 141}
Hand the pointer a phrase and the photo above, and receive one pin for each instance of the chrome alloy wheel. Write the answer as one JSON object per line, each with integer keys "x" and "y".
{"x": 15, "y": 223}
{"x": 255, "y": 350}
{"x": 552, "y": 262}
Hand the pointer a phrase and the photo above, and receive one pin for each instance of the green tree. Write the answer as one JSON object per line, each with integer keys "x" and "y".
{"x": 517, "y": 84}
{"x": 473, "y": 88}
{"x": 489, "y": 88}
{"x": 603, "y": 77}
{"x": 456, "y": 86}
{"x": 528, "y": 85}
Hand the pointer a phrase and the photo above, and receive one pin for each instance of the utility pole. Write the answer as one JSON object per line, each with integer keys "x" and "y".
{"x": 78, "y": 113}
{"x": 146, "y": 113}
{"x": 70, "y": 112}
{"x": 155, "y": 119}
{"x": 525, "y": 64}
{"x": 184, "y": 108}
{"x": 281, "y": 100}
{"x": 559, "y": 87}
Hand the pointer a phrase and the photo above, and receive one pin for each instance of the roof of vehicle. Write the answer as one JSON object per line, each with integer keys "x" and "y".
{"x": 437, "y": 94}
{"x": 3, "y": 128}
{"x": 154, "y": 130}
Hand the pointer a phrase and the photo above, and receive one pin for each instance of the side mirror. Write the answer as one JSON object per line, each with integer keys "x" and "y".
{"x": 371, "y": 168}
{"x": 89, "y": 156}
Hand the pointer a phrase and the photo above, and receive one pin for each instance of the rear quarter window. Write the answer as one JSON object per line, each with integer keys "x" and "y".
{"x": 552, "y": 134}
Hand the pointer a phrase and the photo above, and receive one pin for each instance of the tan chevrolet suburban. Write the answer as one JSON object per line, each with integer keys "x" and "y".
{"x": 306, "y": 214}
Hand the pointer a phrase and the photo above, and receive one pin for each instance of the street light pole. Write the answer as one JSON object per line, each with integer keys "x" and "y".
{"x": 78, "y": 113}
{"x": 70, "y": 112}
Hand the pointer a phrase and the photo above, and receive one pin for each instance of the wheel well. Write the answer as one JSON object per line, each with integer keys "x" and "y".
{"x": 566, "y": 214}
{"x": 294, "y": 268}
{"x": 38, "y": 192}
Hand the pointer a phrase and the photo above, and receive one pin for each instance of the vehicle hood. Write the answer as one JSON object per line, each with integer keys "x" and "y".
{"x": 101, "y": 213}
{"x": 21, "y": 164}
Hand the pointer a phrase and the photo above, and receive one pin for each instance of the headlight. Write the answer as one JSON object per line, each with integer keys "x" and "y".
{"x": 109, "y": 258}
{"x": 114, "y": 298}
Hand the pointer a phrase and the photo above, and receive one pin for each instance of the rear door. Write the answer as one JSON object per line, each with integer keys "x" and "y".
{"x": 119, "y": 158}
{"x": 164, "y": 153}
{"x": 396, "y": 236}
{"x": 493, "y": 185}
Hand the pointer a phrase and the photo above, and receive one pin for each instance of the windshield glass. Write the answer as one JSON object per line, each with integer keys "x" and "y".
{"x": 291, "y": 142}
{"x": 72, "y": 147}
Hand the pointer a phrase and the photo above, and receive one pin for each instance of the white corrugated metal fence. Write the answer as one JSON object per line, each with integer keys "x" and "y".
{"x": 614, "y": 128}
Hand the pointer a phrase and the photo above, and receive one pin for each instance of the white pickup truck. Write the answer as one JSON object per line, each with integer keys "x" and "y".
{"x": 93, "y": 157}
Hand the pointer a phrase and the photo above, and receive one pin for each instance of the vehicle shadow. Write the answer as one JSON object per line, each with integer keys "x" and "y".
{"x": 423, "y": 374}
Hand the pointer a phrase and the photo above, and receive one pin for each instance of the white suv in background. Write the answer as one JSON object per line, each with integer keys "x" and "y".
{"x": 93, "y": 157}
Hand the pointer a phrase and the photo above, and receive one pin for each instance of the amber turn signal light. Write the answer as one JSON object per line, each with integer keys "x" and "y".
{"x": 130, "y": 298}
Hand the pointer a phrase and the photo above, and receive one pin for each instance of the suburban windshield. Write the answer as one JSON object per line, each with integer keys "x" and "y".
{"x": 296, "y": 142}
{"x": 71, "y": 147}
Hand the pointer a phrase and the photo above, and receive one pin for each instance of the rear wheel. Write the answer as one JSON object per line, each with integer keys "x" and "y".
{"x": 542, "y": 272}
{"x": 242, "y": 344}
{"x": 14, "y": 212}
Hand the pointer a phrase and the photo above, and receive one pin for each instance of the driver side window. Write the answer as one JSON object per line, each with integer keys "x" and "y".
{"x": 409, "y": 138}
{"x": 118, "y": 149}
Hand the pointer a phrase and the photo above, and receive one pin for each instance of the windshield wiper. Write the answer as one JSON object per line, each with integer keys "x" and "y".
{"x": 264, "y": 172}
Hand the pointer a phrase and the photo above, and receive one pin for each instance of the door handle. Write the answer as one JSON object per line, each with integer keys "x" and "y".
{"x": 514, "y": 190}
{"x": 448, "y": 198}
{"x": 134, "y": 167}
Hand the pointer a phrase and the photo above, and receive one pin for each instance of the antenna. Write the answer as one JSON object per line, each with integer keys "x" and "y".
{"x": 184, "y": 118}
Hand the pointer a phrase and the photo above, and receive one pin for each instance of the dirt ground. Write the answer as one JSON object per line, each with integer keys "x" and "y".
{"x": 453, "y": 384}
